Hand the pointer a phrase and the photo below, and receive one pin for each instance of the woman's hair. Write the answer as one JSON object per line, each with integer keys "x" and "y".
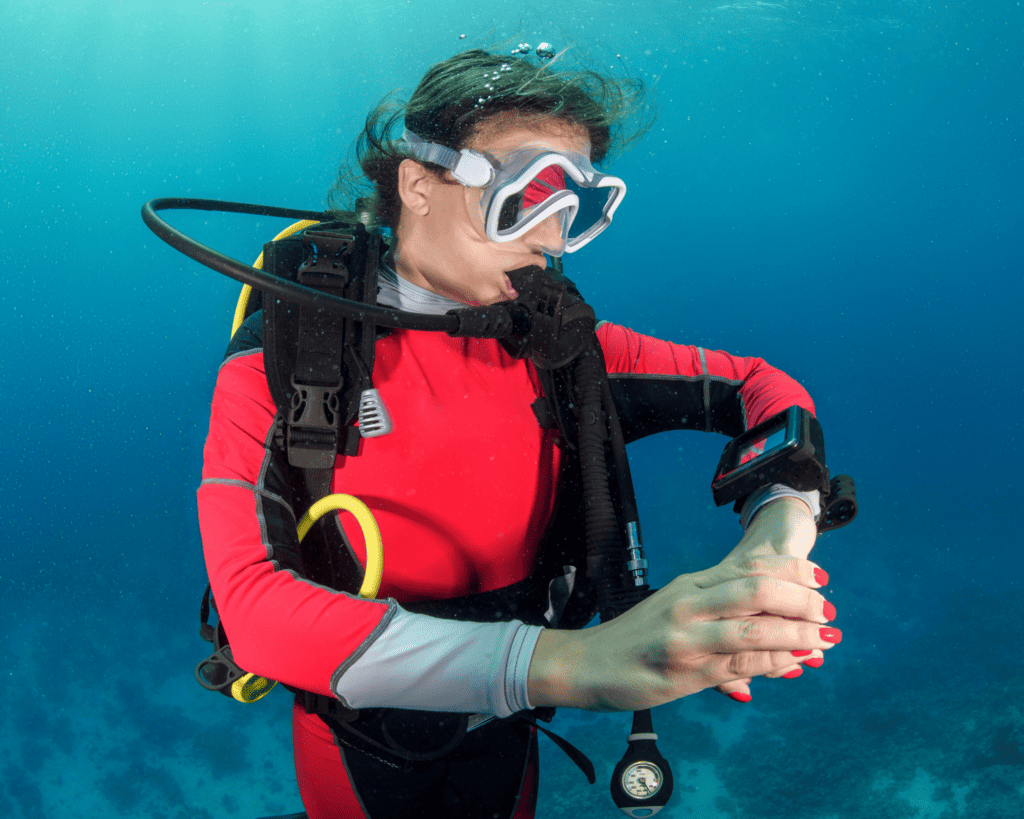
{"x": 457, "y": 95}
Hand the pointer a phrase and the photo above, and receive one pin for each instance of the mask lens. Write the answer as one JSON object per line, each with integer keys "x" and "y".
{"x": 580, "y": 213}
{"x": 591, "y": 207}
{"x": 510, "y": 212}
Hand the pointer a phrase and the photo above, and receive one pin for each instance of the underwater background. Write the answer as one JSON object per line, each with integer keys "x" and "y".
{"x": 837, "y": 187}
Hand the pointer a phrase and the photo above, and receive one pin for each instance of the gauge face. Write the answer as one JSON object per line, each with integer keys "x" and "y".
{"x": 642, "y": 780}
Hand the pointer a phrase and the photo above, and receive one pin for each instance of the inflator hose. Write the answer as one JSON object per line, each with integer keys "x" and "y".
{"x": 606, "y": 569}
{"x": 604, "y": 545}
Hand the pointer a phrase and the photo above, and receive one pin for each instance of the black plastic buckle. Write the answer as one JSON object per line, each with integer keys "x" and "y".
{"x": 328, "y": 256}
{"x": 312, "y": 428}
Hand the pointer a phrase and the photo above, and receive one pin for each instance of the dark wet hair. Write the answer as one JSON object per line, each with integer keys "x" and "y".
{"x": 456, "y": 96}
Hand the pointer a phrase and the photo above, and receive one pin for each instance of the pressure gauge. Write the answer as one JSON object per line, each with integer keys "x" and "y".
{"x": 642, "y": 780}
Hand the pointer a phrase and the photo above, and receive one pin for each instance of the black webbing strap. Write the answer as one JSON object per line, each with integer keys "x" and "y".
{"x": 315, "y": 414}
{"x": 342, "y": 720}
{"x": 575, "y": 754}
{"x": 318, "y": 482}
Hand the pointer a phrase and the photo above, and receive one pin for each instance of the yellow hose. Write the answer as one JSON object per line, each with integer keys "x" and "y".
{"x": 243, "y": 297}
{"x": 371, "y": 534}
{"x": 251, "y": 687}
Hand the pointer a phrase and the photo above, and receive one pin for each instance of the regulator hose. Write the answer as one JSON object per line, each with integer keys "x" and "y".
{"x": 374, "y": 570}
{"x": 272, "y": 285}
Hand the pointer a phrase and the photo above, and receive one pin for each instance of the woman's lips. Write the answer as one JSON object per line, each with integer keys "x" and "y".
{"x": 512, "y": 292}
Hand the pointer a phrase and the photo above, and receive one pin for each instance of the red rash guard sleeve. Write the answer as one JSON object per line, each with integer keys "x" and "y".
{"x": 280, "y": 625}
{"x": 657, "y": 382}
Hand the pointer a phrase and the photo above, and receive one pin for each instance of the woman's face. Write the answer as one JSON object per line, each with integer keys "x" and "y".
{"x": 442, "y": 245}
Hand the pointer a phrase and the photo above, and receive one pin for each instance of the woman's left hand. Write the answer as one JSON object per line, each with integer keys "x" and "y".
{"x": 781, "y": 527}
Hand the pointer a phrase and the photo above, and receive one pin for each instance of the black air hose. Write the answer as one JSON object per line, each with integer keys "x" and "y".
{"x": 604, "y": 544}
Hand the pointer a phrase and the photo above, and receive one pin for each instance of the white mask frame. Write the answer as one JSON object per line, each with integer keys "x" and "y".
{"x": 506, "y": 176}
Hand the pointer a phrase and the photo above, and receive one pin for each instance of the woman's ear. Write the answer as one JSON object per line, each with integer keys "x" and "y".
{"x": 415, "y": 184}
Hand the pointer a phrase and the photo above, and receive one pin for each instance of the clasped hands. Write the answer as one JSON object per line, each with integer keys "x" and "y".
{"x": 758, "y": 613}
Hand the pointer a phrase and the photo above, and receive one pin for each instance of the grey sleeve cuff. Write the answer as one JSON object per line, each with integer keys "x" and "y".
{"x": 766, "y": 494}
{"x": 428, "y": 663}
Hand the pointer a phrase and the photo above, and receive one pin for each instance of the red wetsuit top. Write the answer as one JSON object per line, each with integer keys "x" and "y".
{"x": 462, "y": 488}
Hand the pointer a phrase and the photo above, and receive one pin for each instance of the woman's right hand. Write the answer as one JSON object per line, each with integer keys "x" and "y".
{"x": 740, "y": 619}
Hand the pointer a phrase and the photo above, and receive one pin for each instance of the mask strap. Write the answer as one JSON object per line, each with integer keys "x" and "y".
{"x": 468, "y": 167}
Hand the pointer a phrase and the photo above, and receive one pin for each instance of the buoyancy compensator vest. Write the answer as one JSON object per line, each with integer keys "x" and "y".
{"x": 320, "y": 323}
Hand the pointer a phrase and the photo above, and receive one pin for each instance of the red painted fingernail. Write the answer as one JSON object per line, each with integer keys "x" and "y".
{"x": 796, "y": 672}
{"x": 740, "y": 697}
{"x": 829, "y": 611}
{"x": 801, "y": 653}
{"x": 820, "y": 576}
{"x": 814, "y": 662}
{"x": 831, "y": 635}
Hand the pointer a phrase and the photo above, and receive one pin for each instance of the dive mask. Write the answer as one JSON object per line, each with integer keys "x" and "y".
{"x": 525, "y": 187}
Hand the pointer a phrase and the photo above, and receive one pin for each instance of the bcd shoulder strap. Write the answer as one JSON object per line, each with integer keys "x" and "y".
{"x": 317, "y": 361}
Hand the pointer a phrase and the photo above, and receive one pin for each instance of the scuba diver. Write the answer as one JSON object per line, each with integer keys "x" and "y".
{"x": 422, "y": 697}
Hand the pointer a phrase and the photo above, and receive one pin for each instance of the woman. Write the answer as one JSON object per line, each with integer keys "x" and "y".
{"x": 466, "y": 483}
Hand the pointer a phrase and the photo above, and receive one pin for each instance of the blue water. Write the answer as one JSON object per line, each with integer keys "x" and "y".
{"x": 835, "y": 187}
